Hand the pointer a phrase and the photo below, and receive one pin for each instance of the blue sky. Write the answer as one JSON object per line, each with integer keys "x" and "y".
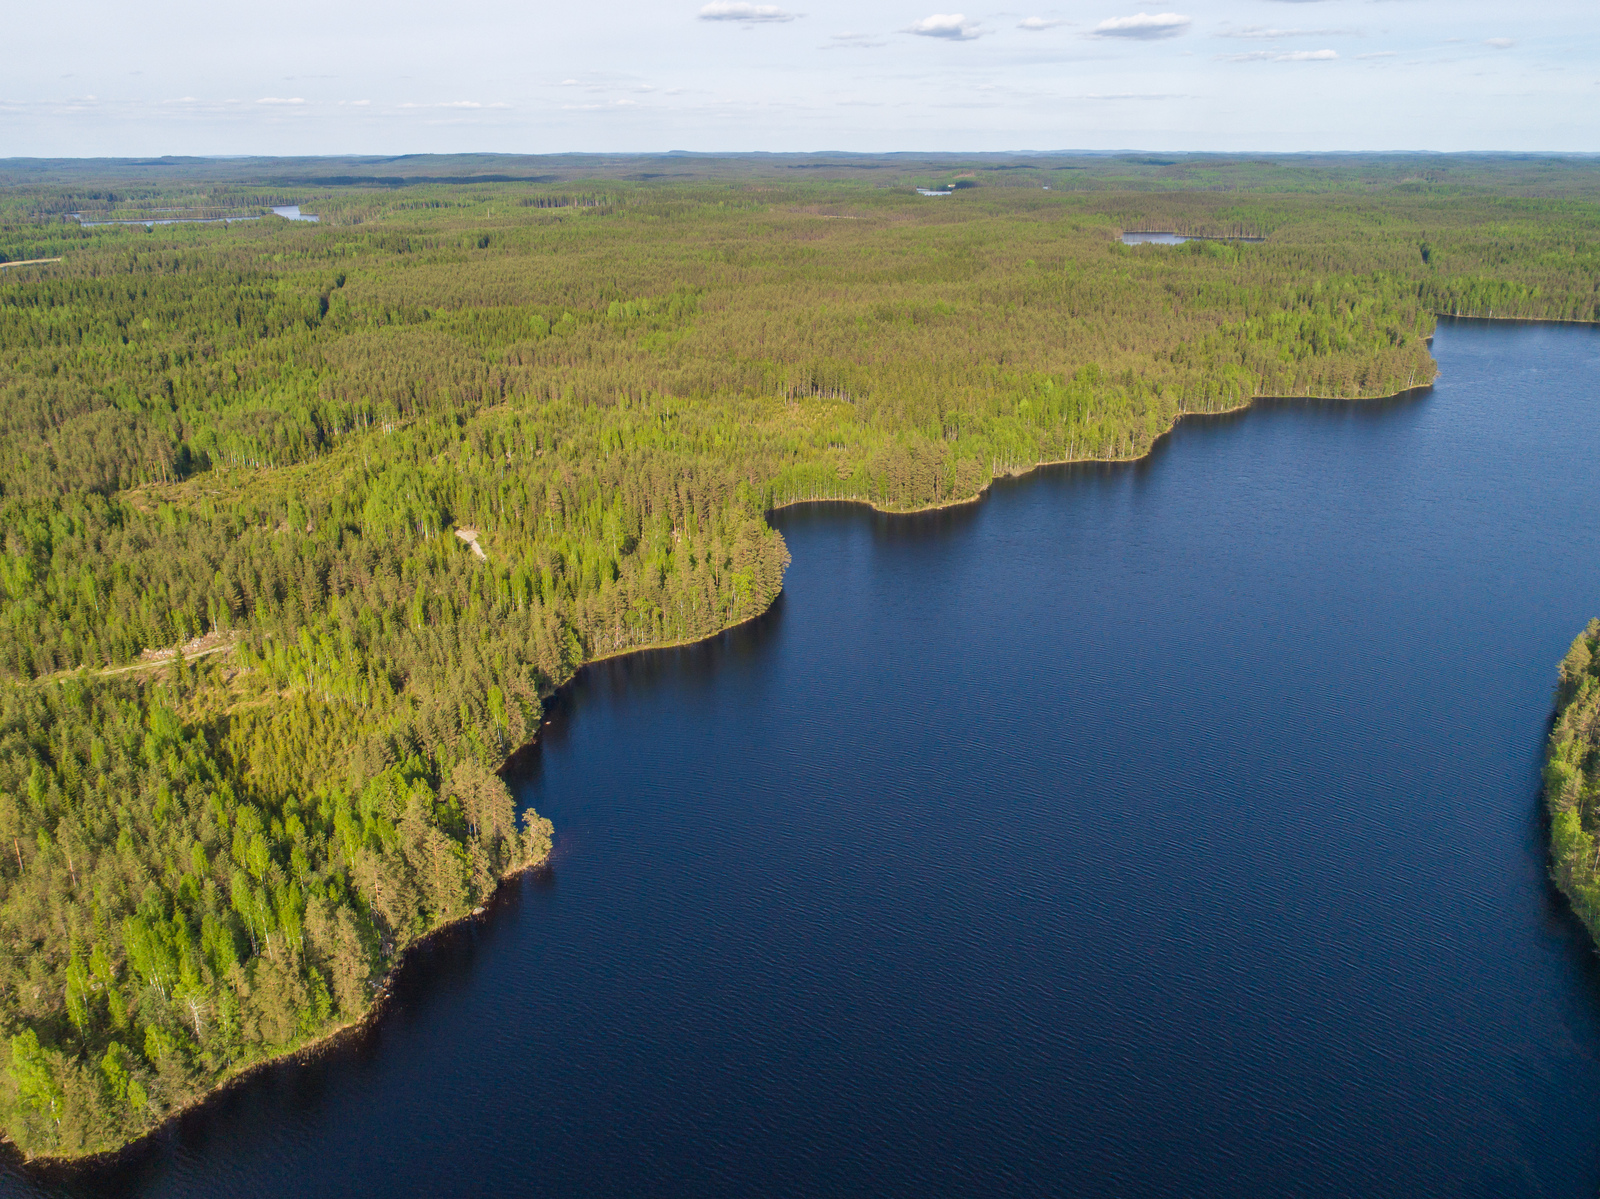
{"x": 308, "y": 76}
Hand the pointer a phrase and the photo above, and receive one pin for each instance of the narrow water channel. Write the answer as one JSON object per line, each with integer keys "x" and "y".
{"x": 1156, "y": 830}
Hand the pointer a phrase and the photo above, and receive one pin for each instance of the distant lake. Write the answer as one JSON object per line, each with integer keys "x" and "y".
{"x": 1155, "y": 239}
{"x": 1153, "y": 830}
{"x": 1173, "y": 239}
{"x": 175, "y": 220}
{"x": 290, "y": 212}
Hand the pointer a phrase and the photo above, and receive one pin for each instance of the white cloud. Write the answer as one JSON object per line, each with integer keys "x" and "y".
{"x": 450, "y": 104}
{"x": 1036, "y": 24}
{"x": 281, "y": 100}
{"x": 1266, "y": 33}
{"x": 1143, "y": 26}
{"x": 1499, "y": 43}
{"x": 737, "y": 10}
{"x": 853, "y": 41}
{"x": 1285, "y": 56}
{"x": 951, "y": 26}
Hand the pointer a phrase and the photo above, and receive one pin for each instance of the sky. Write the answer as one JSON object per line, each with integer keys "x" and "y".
{"x": 106, "y": 77}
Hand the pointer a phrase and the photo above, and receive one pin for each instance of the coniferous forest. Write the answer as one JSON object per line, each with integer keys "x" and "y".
{"x": 1572, "y": 777}
{"x": 303, "y": 522}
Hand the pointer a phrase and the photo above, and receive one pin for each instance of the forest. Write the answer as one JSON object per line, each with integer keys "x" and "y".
{"x": 1572, "y": 778}
{"x": 304, "y": 522}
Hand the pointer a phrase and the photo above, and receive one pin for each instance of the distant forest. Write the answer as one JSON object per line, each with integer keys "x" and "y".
{"x": 304, "y": 522}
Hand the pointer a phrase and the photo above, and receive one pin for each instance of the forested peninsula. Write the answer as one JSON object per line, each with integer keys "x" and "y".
{"x": 303, "y": 522}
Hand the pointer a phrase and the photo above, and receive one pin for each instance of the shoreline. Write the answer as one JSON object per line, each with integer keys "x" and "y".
{"x": 1519, "y": 320}
{"x": 330, "y": 1039}
{"x": 324, "y": 1042}
{"x": 643, "y": 649}
{"x": 1020, "y": 474}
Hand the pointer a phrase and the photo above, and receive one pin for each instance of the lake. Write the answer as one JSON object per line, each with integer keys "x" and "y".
{"x": 289, "y": 212}
{"x": 1166, "y": 829}
{"x": 1174, "y": 239}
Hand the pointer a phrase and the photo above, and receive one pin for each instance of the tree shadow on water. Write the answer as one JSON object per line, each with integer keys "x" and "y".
{"x": 634, "y": 673}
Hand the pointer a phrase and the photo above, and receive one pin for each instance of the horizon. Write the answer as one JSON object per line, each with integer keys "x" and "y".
{"x": 1112, "y": 152}
{"x": 1525, "y": 172}
{"x": 1220, "y": 76}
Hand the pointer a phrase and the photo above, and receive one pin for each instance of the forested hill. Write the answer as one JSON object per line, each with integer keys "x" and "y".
{"x": 391, "y": 478}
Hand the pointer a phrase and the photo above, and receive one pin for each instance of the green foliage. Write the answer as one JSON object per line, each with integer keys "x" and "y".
{"x": 1572, "y": 777}
{"x": 159, "y": 895}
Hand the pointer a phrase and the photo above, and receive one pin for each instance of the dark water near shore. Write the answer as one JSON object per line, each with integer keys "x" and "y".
{"x": 1157, "y": 830}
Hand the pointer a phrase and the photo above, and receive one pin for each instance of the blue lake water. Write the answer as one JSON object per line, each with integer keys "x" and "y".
{"x": 1168, "y": 829}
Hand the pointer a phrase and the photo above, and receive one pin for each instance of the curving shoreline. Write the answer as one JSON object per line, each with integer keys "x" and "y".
{"x": 1028, "y": 470}
{"x": 324, "y": 1042}
{"x": 331, "y": 1038}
